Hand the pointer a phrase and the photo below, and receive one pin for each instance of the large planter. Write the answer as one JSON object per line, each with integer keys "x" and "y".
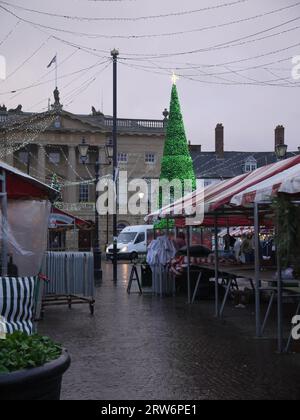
{"x": 37, "y": 384}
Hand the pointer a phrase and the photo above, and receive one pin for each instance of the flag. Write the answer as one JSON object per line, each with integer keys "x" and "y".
{"x": 52, "y": 62}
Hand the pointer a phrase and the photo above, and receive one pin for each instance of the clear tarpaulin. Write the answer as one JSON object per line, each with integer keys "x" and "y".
{"x": 27, "y": 234}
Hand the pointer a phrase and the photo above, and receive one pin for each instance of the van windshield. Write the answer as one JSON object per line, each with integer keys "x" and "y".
{"x": 127, "y": 238}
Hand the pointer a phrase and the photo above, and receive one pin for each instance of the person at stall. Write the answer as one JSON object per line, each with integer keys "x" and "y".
{"x": 237, "y": 249}
{"x": 229, "y": 242}
{"x": 180, "y": 241}
{"x": 247, "y": 249}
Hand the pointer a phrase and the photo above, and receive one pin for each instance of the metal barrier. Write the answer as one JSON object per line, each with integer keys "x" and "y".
{"x": 70, "y": 279}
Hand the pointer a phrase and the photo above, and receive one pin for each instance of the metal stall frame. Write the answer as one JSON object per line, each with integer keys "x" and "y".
{"x": 4, "y": 224}
{"x": 259, "y": 328}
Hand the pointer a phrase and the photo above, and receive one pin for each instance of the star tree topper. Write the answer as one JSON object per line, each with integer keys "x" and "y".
{"x": 174, "y": 78}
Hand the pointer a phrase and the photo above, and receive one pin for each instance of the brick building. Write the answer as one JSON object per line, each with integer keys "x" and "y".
{"x": 221, "y": 164}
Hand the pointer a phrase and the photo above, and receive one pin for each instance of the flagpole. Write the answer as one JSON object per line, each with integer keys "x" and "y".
{"x": 56, "y": 72}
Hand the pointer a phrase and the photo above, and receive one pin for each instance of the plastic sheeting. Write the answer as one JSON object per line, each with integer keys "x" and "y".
{"x": 69, "y": 273}
{"x": 160, "y": 253}
{"x": 27, "y": 234}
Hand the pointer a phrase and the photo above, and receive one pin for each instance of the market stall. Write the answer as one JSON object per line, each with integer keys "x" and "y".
{"x": 25, "y": 205}
{"x": 65, "y": 230}
{"x": 70, "y": 273}
{"x": 239, "y": 202}
{"x": 25, "y": 209}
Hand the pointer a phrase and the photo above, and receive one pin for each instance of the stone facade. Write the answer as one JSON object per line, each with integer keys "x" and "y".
{"x": 53, "y": 149}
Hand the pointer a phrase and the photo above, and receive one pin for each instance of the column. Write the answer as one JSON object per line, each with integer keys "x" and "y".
{"x": 41, "y": 163}
{"x": 9, "y": 158}
{"x": 71, "y": 195}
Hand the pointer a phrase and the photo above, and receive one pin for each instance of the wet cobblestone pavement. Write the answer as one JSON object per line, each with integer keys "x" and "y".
{"x": 149, "y": 348}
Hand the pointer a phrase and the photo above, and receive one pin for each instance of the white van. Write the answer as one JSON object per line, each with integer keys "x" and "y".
{"x": 132, "y": 241}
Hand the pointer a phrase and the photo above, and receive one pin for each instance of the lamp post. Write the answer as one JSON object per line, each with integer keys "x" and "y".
{"x": 115, "y": 54}
{"x": 83, "y": 151}
{"x": 281, "y": 151}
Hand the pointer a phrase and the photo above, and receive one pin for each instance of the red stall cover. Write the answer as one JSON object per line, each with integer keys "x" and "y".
{"x": 21, "y": 185}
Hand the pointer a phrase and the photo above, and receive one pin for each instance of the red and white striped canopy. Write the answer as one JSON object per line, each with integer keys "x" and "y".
{"x": 283, "y": 176}
{"x": 287, "y": 181}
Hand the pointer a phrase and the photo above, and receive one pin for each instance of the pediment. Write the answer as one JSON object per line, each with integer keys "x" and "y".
{"x": 70, "y": 122}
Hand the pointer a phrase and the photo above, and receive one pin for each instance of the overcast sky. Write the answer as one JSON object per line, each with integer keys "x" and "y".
{"x": 249, "y": 110}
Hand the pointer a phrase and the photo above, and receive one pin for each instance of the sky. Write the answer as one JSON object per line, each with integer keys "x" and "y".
{"x": 234, "y": 60}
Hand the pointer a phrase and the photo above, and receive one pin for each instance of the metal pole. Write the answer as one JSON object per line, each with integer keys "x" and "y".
{"x": 97, "y": 247}
{"x": 107, "y": 229}
{"x": 4, "y": 226}
{"x": 188, "y": 231}
{"x": 217, "y": 267}
{"x": 28, "y": 159}
{"x": 257, "y": 271}
{"x": 114, "y": 55}
{"x": 279, "y": 294}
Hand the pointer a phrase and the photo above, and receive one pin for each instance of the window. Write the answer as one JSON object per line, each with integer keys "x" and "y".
{"x": 250, "y": 165}
{"x": 150, "y": 158}
{"x": 87, "y": 160}
{"x": 141, "y": 238}
{"x": 24, "y": 157}
{"x": 57, "y": 241}
{"x": 54, "y": 157}
{"x": 84, "y": 193}
{"x": 57, "y": 122}
{"x": 123, "y": 158}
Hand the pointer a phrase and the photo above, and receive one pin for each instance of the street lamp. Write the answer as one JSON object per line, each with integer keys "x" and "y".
{"x": 109, "y": 151}
{"x": 115, "y": 55}
{"x": 83, "y": 151}
{"x": 281, "y": 151}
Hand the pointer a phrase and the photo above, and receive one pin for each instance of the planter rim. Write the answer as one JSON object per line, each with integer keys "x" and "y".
{"x": 56, "y": 367}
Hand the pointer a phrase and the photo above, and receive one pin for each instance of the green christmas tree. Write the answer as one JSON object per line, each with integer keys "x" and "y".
{"x": 177, "y": 162}
{"x": 56, "y": 185}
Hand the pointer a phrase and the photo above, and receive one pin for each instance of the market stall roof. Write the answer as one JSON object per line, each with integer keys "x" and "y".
{"x": 60, "y": 218}
{"x": 21, "y": 185}
{"x": 286, "y": 182}
{"x": 219, "y": 196}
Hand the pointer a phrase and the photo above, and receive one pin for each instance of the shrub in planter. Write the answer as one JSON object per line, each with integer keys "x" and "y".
{"x": 288, "y": 233}
{"x": 31, "y": 367}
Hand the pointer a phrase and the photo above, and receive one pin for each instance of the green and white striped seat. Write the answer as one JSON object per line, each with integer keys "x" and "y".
{"x": 17, "y": 303}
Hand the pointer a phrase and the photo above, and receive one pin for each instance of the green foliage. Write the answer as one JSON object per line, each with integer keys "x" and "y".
{"x": 56, "y": 185}
{"x": 288, "y": 233}
{"x": 20, "y": 351}
{"x": 177, "y": 163}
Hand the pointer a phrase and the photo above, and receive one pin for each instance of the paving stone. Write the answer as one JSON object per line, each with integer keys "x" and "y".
{"x": 144, "y": 347}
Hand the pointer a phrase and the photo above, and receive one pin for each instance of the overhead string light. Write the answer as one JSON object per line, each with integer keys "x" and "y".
{"x": 18, "y": 134}
{"x": 166, "y": 34}
{"x": 127, "y": 19}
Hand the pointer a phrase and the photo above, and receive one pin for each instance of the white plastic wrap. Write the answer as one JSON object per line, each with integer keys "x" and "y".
{"x": 27, "y": 234}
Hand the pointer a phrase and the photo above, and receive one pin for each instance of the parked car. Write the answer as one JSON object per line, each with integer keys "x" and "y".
{"x": 132, "y": 241}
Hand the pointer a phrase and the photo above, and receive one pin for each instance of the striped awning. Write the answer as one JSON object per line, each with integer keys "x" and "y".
{"x": 283, "y": 176}
{"x": 287, "y": 182}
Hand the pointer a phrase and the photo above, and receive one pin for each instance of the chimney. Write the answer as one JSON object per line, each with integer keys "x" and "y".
{"x": 196, "y": 148}
{"x": 279, "y": 136}
{"x": 220, "y": 141}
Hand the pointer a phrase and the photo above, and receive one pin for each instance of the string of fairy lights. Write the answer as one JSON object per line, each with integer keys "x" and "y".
{"x": 233, "y": 72}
